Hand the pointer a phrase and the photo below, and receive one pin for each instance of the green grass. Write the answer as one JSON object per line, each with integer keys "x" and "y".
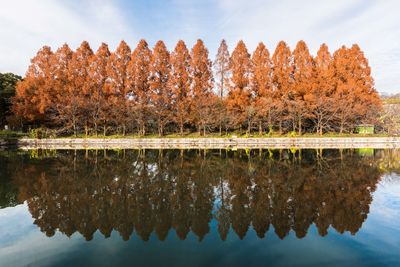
{"x": 8, "y": 134}
{"x": 15, "y": 135}
{"x": 229, "y": 135}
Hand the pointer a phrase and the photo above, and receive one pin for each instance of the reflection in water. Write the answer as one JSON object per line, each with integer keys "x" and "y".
{"x": 159, "y": 190}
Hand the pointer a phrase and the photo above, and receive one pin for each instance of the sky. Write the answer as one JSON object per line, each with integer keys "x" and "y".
{"x": 27, "y": 25}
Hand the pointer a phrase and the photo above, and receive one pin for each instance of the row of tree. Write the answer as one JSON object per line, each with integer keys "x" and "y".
{"x": 154, "y": 90}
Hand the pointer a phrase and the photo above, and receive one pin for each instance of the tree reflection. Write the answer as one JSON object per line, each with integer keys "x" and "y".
{"x": 154, "y": 191}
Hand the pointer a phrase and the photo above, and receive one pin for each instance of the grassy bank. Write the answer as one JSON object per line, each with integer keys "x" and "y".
{"x": 17, "y": 135}
{"x": 6, "y": 134}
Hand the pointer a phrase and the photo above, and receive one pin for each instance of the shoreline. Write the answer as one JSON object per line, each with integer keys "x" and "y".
{"x": 203, "y": 143}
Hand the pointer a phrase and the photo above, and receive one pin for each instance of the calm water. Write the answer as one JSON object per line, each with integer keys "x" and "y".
{"x": 200, "y": 208}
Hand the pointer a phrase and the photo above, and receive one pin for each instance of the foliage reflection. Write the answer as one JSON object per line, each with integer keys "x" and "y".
{"x": 156, "y": 191}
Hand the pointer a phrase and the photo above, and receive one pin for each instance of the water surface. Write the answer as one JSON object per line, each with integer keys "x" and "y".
{"x": 200, "y": 208}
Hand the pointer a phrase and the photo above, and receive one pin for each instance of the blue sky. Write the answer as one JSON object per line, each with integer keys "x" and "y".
{"x": 26, "y": 25}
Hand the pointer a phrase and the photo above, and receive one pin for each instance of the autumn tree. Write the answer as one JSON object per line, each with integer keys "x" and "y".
{"x": 79, "y": 90}
{"x": 61, "y": 84}
{"x": 261, "y": 87}
{"x": 116, "y": 88}
{"x": 161, "y": 94}
{"x": 138, "y": 74}
{"x": 222, "y": 71}
{"x": 239, "y": 96}
{"x": 202, "y": 97}
{"x": 355, "y": 93}
{"x": 371, "y": 104}
{"x": 303, "y": 75}
{"x": 282, "y": 80}
{"x": 180, "y": 84}
{"x": 32, "y": 94}
{"x": 321, "y": 102}
{"x": 98, "y": 76}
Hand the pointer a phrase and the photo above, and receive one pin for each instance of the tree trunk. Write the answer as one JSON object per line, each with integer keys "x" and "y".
{"x": 319, "y": 129}
{"x": 159, "y": 127}
{"x": 74, "y": 126}
{"x": 104, "y": 130}
{"x": 143, "y": 131}
{"x": 269, "y": 123}
{"x": 86, "y": 129}
{"x": 299, "y": 126}
{"x": 260, "y": 129}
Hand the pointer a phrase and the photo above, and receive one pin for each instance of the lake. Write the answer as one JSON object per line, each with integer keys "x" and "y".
{"x": 200, "y": 207}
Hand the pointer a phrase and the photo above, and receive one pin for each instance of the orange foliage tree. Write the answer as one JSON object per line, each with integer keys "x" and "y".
{"x": 61, "y": 83}
{"x": 303, "y": 74}
{"x": 74, "y": 104}
{"x": 180, "y": 83}
{"x": 239, "y": 95}
{"x": 97, "y": 104}
{"x": 32, "y": 98}
{"x": 262, "y": 87}
{"x": 155, "y": 91}
{"x": 282, "y": 81}
{"x": 116, "y": 87}
{"x": 161, "y": 93}
{"x": 355, "y": 93}
{"x": 202, "y": 97}
{"x": 321, "y": 102}
{"x": 138, "y": 74}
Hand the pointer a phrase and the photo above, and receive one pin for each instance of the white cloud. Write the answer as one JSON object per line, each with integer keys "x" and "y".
{"x": 25, "y": 26}
{"x": 372, "y": 24}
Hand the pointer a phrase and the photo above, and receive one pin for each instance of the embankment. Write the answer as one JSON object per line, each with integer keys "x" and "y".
{"x": 203, "y": 143}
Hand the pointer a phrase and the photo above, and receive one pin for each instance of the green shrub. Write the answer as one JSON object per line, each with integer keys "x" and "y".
{"x": 41, "y": 132}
